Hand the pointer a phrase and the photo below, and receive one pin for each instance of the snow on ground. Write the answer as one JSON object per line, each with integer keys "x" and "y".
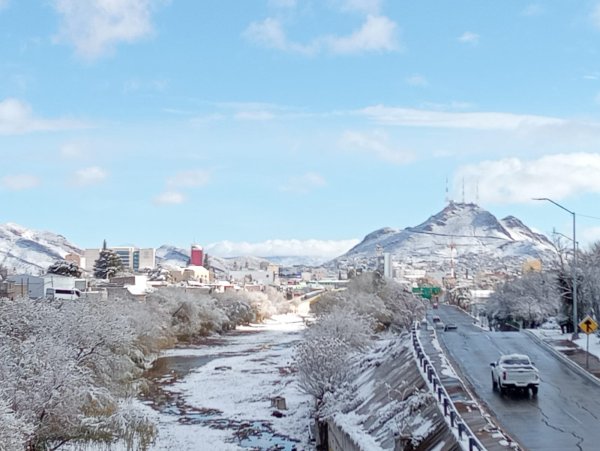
{"x": 553, "y": 334}
{"x": 245, "y": 373}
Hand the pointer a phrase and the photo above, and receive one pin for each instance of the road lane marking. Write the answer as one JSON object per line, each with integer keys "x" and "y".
{"x": 572, "y": 416}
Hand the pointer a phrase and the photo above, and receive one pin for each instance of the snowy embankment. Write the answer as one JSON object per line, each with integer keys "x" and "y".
{"x": 236, "y": 387}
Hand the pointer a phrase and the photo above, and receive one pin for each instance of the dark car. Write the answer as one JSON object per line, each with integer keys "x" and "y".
{"x": 450, "y": 326}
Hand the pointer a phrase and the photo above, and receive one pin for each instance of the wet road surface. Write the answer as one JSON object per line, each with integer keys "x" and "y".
{"x": 565, "y": 415}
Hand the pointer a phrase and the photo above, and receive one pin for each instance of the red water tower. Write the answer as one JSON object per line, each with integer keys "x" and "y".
{"x": 196, "y": 255}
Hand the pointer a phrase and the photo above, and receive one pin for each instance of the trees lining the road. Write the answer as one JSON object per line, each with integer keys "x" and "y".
{"x": 345, "y": 327}
{"x": 529, "y": 299}
{"x": 535, "y": 296}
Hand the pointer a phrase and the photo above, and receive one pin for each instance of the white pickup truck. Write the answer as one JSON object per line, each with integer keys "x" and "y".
{"x": 514, "y": 371}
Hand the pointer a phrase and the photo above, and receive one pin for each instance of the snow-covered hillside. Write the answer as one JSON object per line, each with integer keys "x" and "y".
{"x": 167, "y": 255}
{"x": 30, "y": 251}
{"x": 460, "y": 231}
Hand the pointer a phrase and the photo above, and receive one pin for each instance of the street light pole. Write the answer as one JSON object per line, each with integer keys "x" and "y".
{"x": 573, "y": 268}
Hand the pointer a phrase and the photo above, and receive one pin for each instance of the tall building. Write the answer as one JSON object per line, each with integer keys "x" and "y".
{"x": 196, "y": 255}
{"x": 146, "y": 259}
{"x": 126, "y": 254}
{"x": 132, "y": 258}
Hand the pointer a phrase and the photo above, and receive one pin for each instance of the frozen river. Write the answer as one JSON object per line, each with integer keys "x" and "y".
{"x": 218, "y": 396}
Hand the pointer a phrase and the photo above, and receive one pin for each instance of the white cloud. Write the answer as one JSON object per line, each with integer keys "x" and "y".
{"x": 94, "y": 27}
{"x": 270, "y": 33}
{"x": 442, "y": 119}
{"x": 304, "y": 183}
{"x": 514, "y": 180}
{"x": 169, "y": 198}
{"x": 89, "y": 176}
{"x": 19, "y": 182}
{"x": 417, "y": 80}
{"x": 135, "y": 85}
{"x": 16, "y": 117}
{"x": 589, "y": 235}
{"x": 254, "y": 115}
{"x": 282, "y": 248}
{"x": 376, "y": 144}
{"x": 469, "y": 38}
{"x": 595, "y": 16}
{"x": 72, "y": 150}
{"x": 189, "y": 179}
{"x": 533, "y": 9}
{"x": 378, "y": 33}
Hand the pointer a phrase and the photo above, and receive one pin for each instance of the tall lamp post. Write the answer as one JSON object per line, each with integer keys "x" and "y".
{"x": 573, "y": 268}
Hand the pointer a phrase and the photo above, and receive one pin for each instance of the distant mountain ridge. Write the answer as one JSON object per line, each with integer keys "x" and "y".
{"x": 465, "y": 233}
{"x": 460, "y": 230}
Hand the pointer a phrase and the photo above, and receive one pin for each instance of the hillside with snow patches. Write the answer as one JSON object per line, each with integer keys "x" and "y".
{"x": 462, "y": 232}
{"x": 24, "y": 250}
{"x": 465, "y": 233}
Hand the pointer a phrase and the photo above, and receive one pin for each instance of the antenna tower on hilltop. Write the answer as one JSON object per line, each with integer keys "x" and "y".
{"x": 447, "y": 195}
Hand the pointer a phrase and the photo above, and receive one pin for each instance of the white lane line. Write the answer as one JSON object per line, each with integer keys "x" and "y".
{"x": 572, "y": 416}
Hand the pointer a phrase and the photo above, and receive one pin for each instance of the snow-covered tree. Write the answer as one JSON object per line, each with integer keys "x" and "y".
{"x": 13, "y": 430}
{"x": 67, "y": 369}
{"x": 64, "y": 268}
{"x": 323, "y": 365}
{"x": 530, "y": 299}
{"x": 384, "y": 300}
{"x": 108, "y": 265}
{"x": 159, "y": 274}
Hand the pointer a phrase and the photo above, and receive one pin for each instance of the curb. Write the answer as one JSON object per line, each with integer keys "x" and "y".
{"x": 575, "y": 367}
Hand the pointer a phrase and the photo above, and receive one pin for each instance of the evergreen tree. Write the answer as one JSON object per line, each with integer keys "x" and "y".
{"x": 64, "y": 268}
{"x": 108, "y": 264}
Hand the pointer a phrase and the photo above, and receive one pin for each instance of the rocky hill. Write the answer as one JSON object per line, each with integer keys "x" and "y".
{"x": 460, "y": 233}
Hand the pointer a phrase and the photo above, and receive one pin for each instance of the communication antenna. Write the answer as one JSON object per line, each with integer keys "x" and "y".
{"x": 447, "y": 195}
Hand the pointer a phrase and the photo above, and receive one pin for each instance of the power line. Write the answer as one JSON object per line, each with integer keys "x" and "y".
{"x": 587, "y": 216}
{"x": 456, "y": 236}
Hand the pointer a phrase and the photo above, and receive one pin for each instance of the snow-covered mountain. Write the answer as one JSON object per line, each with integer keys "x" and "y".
{"x": 167, "y": 255}
{"x": 461, "y": 232}
{"x": 30, "y": 251}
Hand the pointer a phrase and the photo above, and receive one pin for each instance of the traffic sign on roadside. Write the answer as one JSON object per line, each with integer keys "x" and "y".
{"x": 588, "y": 325}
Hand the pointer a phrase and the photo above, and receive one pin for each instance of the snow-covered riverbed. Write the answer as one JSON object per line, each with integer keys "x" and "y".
{"x": 225, "y": 403}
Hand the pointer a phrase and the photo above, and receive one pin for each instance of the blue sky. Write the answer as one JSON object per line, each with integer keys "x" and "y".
{"x": 294, "y": 126}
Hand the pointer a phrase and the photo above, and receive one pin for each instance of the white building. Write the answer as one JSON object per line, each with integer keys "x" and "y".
{"x": 132, "y": 258}
{"x": 35, "y": 287}
{"x": 147, "y": 258}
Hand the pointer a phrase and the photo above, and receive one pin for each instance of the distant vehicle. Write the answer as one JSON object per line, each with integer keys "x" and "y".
{"x": 450, "y": 326}
{"x": 550, "y": 324}
{"x": 63, "y": 293}
{"x": 435, "y": 305}
{"x": 439, "y": 325}
{"x": 514, "y": 371}
{"x": 436, "y": 319}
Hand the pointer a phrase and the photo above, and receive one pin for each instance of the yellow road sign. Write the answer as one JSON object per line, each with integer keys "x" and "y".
{"x": 588, "y": 325}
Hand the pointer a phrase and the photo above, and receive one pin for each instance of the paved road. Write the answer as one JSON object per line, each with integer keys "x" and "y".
{"x": 566, "y": 413}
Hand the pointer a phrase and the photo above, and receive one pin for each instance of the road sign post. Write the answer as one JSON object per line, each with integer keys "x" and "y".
{"x": 589, "y": 326}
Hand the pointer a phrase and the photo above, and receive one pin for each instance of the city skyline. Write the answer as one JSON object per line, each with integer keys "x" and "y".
{"x": 287, "y": 125}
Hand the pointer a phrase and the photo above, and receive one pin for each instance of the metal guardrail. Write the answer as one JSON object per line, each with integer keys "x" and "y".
{"x": 447, "y": 406}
